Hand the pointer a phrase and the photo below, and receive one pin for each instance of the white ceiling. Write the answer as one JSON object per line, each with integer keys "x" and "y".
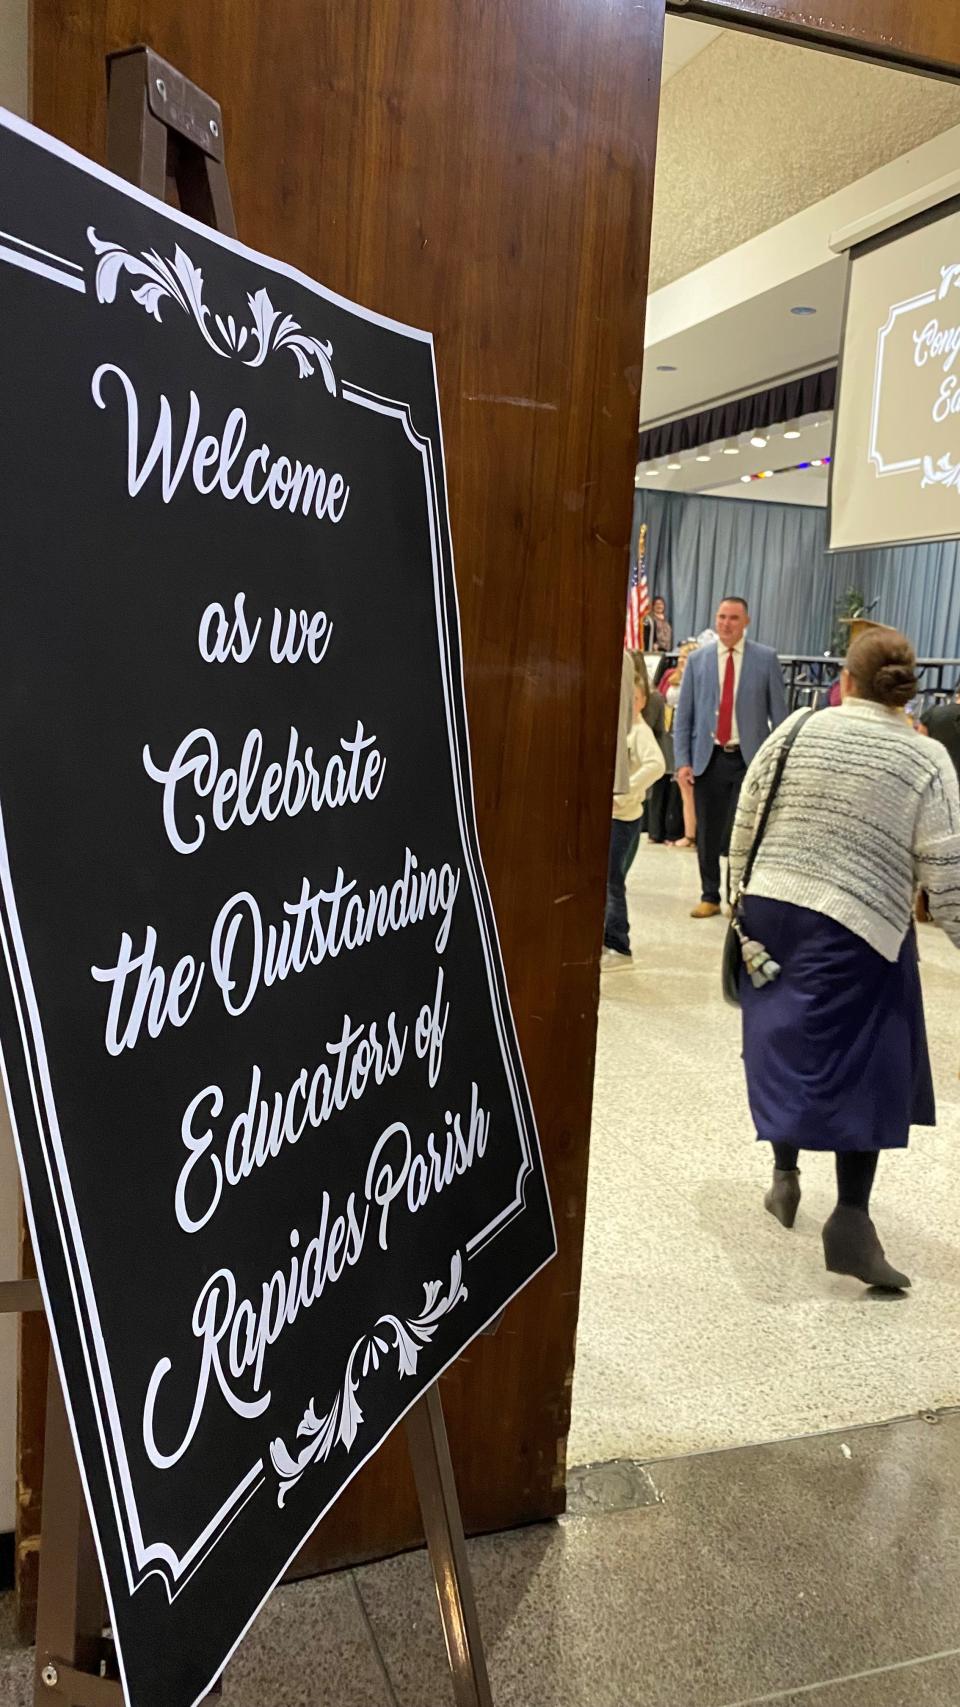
{"x": 682, "y": 41}
{"x": 753, "y": 344}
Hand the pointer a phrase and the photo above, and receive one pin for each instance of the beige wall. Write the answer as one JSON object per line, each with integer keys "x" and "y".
{"x": 13, "y": 55}
{"x": 13, "y": 94}
{"x": 752, "y": 131}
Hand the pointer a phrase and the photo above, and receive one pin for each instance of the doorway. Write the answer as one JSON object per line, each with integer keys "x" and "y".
{"x": 703, "y": 1325}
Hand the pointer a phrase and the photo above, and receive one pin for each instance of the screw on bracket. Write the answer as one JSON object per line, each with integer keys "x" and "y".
{"x": 50, "y": 1676}
{"x": 214, "y": 128}
{"x": 161, "y": 88}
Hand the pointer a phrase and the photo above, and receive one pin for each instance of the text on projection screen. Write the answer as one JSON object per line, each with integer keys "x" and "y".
{"x": 896, "y": 471}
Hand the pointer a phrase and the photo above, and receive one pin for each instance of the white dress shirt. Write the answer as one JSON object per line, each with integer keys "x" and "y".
{"x": 723, "y": 653}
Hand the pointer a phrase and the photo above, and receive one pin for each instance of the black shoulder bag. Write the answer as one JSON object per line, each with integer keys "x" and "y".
{"x": 738, "y": 950}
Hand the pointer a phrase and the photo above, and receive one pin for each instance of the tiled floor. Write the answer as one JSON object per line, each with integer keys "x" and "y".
{"x": 814, "y": 1573}
{"x": 702, "y": 1322}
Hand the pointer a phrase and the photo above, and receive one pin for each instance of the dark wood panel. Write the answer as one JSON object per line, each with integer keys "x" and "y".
{"x": 484, "y": 169}
{"x": 924, "y": 34}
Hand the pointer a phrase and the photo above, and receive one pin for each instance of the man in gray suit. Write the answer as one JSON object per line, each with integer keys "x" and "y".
{"x": 731, "y": 698}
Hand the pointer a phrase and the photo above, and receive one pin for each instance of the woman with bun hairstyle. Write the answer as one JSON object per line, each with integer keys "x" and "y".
{"x": 834, "y": 1044}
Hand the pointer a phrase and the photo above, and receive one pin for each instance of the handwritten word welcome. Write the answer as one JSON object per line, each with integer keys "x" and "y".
{"x": 285, "y": 484}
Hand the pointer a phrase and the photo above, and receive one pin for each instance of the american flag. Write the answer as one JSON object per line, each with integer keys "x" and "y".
{"x": 638, "y": 598}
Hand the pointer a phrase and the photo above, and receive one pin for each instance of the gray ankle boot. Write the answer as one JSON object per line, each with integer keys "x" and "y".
{"x": 783, "y": 1198}
{"x": 851, "y": 1246}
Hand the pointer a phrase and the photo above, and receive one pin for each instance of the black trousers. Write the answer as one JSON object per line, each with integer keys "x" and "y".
{"x": 716, "y": 793}
{"x": 656, "y": 808}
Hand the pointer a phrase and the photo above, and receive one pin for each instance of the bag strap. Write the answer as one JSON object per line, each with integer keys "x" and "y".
{"x": 771, "y": 797}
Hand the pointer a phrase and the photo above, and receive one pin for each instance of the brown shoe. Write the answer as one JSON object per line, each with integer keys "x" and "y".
{"x": 705, "y": 910}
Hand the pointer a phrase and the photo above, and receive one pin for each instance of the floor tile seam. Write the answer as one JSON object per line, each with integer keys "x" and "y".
{"x": 393, "y": 1699}
{"x": 944, "y": 1412}
{"x": 848, "y": 1677}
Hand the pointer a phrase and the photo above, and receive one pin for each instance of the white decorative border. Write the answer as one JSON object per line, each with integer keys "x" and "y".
{"x": 67, "y": 273}
{"x": 463, "y": 794}
{"x": 949, "y": 278}
{"x": 874, "y": 454}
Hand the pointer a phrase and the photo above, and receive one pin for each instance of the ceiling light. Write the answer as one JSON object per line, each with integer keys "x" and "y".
{"x": 802, "y": 308}
{"x": 758, "y": 441}
{"x": 666, "y": 367}
{"x": 703, "y": 456}
{"x": 650, "y": 472}
{"x": 674, "y": 466}
{"x": 731, "y": 448}
{"x": 791, "y": 430}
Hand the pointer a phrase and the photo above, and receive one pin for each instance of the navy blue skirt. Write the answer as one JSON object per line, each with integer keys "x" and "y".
{"x": 835, "y": 1049}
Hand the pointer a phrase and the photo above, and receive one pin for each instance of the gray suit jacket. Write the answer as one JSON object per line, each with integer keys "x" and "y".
{"x": 761, "y": 704}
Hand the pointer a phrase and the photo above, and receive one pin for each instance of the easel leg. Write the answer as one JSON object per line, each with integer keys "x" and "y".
{"x": 443, "y": 1527}
{"x": 71, "y": 1607}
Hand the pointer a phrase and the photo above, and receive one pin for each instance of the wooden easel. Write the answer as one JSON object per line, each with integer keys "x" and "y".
{"x": 166, "y": 136}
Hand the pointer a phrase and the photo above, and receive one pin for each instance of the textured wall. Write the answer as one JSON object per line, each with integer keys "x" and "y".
{"x": 751, "y": 131}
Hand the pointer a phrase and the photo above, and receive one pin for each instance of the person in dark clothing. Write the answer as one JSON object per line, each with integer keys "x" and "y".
{"x": 732, "y": 696}
{"x": 942, "y": 723}
{"x": 834, "y": 1041}
{"x": 662, "y": 630}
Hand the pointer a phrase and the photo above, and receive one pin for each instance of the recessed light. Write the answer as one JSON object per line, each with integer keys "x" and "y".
{"x": 791, "y": 430}
{"x": 674, "y": 466}
{"x": 803, "y": 308}
{"x": 758, "y": 442}
{"x": 651, "y": 472}
{"x": 703, "y": 456}
{"x": 666, "y": 367}
{"x": 731, "y": 448}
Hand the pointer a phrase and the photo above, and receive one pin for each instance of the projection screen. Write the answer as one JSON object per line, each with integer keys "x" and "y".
{"x": 895, "y": 475}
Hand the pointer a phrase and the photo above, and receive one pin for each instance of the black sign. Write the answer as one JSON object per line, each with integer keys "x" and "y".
{"x": 275, "y": 1137}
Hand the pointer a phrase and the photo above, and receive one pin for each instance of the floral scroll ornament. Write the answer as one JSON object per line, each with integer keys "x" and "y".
{"x": 943, "y": 473}
{"x": 948, "y": 278}
{"x": 182, "y": 282}
{"x": 339, "y": 1425}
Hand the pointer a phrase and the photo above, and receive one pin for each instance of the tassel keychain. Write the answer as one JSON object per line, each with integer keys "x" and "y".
{"x": 763, "y": 969}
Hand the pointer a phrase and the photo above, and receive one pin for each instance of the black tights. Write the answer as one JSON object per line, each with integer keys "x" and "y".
{"x": 855, "y": 1173}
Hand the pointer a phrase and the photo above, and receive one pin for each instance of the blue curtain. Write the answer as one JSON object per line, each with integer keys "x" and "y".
{"x": 774, "y": 556}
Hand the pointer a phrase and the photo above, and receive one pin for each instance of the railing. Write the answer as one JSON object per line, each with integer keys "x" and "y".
{"x": 808, "y": 680}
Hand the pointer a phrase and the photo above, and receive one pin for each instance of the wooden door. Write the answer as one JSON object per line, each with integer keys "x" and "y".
{"x": 483, "y": 168}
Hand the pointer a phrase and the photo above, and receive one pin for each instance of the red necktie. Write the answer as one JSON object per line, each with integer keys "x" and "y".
{"x": 725, "y": 718}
